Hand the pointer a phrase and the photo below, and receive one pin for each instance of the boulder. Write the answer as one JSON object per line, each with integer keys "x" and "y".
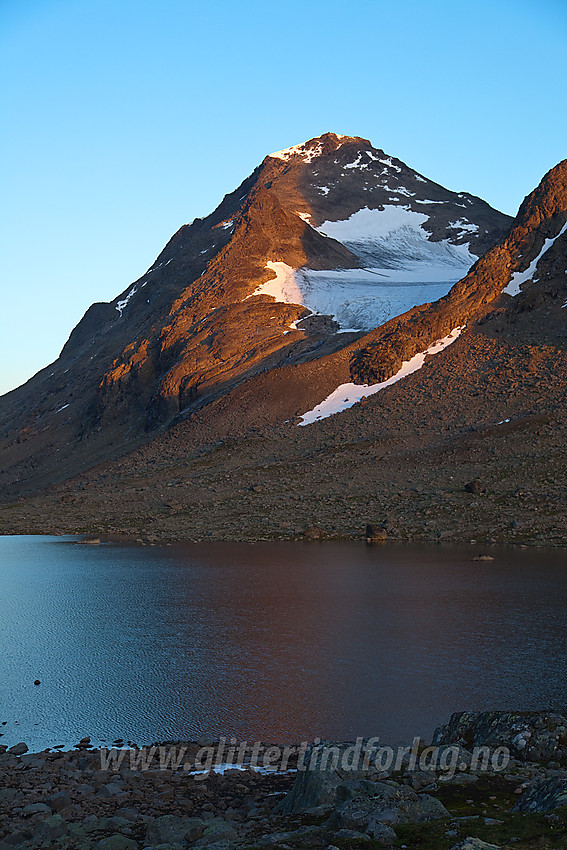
{"x": 170, "y": 829}
{"x": 217, "y": 831}
{"x": 475, "y": 487}
{"x": 371, "y": 803}
{"x": 50, "y": 829}
{"x": 359, "y": 817}
{"x": 279, "y": 839}
{"x": 375, "y": 534}
{"x": 7, "y": 794}
{"x": 111, "y": 791}
{"x": 128, "y": 813}
{"x": 18, "y": 749}
{"x": 316, "y": 786}
{"x": 59, "y": 801}
{"x": 36, "y": 809}
{"x": 351, "y": 835}
{"x": 311, "y": 789}
{"x": 165, "y": 847}
{"x": 419, "y": 779}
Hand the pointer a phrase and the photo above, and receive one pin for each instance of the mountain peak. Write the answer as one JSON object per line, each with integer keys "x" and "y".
{"x": 547, "y": 199}
{"x": 324, "y": 144}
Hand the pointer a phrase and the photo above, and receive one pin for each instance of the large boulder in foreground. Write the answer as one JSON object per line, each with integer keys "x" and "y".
{"x": 317, "y": 785}
{"x": 370, "y": 803}
{"x": 357, "y": 798}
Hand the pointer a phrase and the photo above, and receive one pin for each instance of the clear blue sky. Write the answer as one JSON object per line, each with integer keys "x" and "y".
{"x": 121, "y": 120}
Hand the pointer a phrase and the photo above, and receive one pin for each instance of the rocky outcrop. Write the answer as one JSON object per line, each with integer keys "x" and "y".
{"x": 543, "y": 795}
{"x": 531, "y": 736}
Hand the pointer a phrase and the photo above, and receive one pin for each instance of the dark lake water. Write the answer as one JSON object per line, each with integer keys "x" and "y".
{"x": 281, "y": 642}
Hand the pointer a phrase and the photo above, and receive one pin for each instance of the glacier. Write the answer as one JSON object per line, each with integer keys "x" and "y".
{"x": 403, "y": 267}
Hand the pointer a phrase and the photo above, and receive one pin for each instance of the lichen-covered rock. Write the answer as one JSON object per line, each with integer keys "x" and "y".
{"x": 543, "y": 796}
{"x": 530, "y": 736}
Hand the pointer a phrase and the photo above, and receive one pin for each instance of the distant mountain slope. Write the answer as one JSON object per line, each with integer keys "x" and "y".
{"x": 344, "y": 236}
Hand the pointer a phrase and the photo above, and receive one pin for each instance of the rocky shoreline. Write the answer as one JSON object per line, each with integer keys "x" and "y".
{"x": 460, "y": 792}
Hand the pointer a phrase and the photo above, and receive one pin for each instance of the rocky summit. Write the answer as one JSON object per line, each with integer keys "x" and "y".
{"x": 216, "y": 395}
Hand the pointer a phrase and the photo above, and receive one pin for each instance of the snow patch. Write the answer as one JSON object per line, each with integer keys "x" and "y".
{"x": 348, "y": 394}
{"x": 224, "y": 766}
{"x": 121, "y": 305}
{"x": 62, "y": 408}
{"x": 357, "y": 163}
{"x": 389, "y": 163}
{"x": 519, "y": 278}
{"x": 305, "y": 216}
{"x": 368, "y": 224}
{"x": 463, "y": 226}
{"x": 307, "y": 154}
{"x": 283, "y": 287}
{"x": 323, "y": 189}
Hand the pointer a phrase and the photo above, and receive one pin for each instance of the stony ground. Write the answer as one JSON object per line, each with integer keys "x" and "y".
{"x": 57, "y": 799}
